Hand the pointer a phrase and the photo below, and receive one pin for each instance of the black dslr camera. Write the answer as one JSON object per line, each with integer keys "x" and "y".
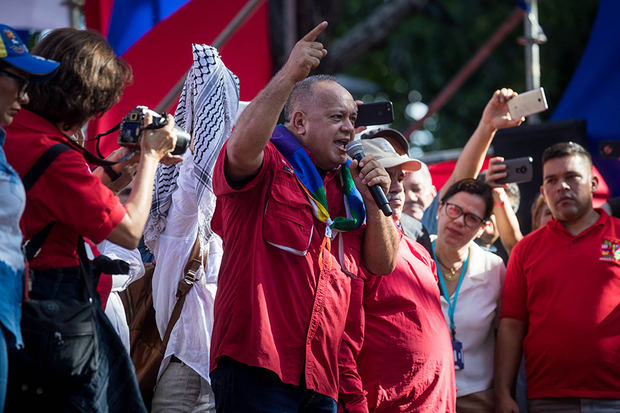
{"x": 131, "y": 128}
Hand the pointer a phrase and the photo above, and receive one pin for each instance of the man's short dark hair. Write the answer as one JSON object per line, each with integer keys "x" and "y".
{"x": 474, "y": 187}
{"x": 89, "y": 80}
{"x": 303, "y": 90}
{"x": 564, "y": 149}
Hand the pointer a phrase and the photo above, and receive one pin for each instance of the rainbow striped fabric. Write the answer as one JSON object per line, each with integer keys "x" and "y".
{"x": 312, "y": 184}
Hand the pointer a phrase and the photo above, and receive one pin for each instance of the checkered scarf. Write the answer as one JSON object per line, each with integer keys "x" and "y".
{"x": 206, "y": 110}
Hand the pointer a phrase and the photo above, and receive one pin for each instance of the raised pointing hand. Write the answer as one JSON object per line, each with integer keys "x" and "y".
{"x": 306, "y": 54}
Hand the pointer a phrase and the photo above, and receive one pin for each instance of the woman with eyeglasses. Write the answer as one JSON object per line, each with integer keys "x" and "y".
{"x": 17, "y": 67}
{"x": 470, "y": 280}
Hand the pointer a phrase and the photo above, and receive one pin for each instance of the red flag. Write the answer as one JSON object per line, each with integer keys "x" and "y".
{"x": 163, "y": 54}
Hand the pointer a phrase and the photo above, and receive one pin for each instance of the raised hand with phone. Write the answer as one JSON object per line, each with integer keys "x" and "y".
{"x": 527, "y": 103}
{"x": 504, "y": 171}
{"x": 495, "y": 116}
{"x": 505, "y": 218}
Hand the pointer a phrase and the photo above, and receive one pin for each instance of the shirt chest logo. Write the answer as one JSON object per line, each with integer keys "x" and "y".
{"x": 610, "y": 250}
{"x": 286, "y": 168}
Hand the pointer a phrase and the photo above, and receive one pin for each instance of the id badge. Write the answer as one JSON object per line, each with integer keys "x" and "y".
{"x": 459, "y": 363}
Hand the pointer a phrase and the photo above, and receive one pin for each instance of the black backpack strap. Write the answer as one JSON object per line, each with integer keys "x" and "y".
{"x": 32, "y": 246}
{"x": 85, "y": 267}
{"x": 42, "y": 163}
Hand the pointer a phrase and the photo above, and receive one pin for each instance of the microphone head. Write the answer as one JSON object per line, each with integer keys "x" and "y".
{"x": 355, "y": 149}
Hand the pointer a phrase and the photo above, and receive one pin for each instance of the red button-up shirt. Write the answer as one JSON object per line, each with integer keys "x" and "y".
{"x": 278, "y": 307}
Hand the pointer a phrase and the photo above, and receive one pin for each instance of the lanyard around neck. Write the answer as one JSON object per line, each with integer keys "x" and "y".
{"x": 444, "y": 290}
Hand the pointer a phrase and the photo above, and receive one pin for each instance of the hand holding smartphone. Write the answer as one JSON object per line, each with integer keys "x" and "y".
{"x": 377, "y": 113}
{"x": 518, "y": 170}
{"x": 527, "y": 103}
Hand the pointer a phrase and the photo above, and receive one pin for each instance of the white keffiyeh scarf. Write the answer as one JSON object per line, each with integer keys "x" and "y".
{"x": 206, "y": 110}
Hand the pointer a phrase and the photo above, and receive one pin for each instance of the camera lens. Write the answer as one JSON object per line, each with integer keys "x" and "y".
{"x": 183, "y": 139}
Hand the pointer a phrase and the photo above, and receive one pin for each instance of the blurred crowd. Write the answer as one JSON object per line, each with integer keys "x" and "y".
{"x": 283, "y": 264}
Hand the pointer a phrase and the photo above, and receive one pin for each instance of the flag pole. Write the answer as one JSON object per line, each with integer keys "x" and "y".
{"x": 219, "y": 41}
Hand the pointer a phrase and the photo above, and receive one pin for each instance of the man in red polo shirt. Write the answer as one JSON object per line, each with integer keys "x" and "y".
{"x": 396, "y": 353}
{"x": 291, "y": 217}
{"x": 562, "y": 298}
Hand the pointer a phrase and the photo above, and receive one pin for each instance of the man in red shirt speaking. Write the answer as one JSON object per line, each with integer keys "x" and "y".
{"x": 561, "y": 298}
{"x": 296, "y": 225}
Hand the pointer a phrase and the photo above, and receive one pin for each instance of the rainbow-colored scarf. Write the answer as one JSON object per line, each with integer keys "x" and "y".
{"x": 312, "y": 184}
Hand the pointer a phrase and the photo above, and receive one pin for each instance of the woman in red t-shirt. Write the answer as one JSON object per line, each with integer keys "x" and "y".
{"x": 89, "y": 80}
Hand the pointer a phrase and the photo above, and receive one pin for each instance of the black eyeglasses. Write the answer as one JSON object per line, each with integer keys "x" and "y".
{"x": 454, "y": 211}
{"x": 22, "y": 82}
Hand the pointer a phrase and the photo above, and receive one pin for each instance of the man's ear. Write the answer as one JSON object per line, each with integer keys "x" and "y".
{"x": 298, "y": 122}
{"x": 68, "y": 129}
{"x": 594, "y": 183}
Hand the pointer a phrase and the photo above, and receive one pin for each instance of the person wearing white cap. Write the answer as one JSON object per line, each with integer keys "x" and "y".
{"x": 17, "y": 68}
{"x": 396, "y": 353}
{"x": 418, "y": 188}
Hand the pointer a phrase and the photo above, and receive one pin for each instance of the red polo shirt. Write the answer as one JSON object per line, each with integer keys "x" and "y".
{"x": 66, "y": 193}
{"x": 276, "y": 306}
{"x": 567, "y": 289}
{"x": 406, "y": 362}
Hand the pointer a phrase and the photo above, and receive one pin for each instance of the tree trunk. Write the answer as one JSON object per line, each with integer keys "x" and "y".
{"x": 368, "y": 33}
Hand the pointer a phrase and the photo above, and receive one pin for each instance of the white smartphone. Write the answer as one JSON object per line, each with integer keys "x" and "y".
{"x": 527, "y": 103}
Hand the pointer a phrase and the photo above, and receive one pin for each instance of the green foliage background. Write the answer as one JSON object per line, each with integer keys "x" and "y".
{"x": 425, "y": 51}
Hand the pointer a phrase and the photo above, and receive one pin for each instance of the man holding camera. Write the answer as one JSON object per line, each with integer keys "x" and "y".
{"x": 291, "y": 218}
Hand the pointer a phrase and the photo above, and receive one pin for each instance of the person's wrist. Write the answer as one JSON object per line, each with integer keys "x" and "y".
{"x": 486, "y": 126}
{"x": 151, "y": 155}
{"x": 286, "y": 77}
{"x": 499, "y": 195}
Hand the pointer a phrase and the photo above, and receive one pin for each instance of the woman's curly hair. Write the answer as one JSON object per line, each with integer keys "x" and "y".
{"x": 89, "y": 80}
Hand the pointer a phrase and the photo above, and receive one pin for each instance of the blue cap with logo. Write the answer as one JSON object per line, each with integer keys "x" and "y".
{"x": 14, "y": 52}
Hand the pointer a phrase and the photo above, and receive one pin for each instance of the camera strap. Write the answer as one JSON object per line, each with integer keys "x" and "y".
{"x": 90, "y": 157}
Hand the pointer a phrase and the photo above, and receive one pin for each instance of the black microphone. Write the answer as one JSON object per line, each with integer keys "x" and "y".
{"x": 356, "y": 151}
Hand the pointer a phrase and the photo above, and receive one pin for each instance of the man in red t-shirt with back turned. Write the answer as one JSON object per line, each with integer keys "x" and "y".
{"x": 291, "y": 217}
{"x": 561, "y": 298}
{"x": 396, "y": 354}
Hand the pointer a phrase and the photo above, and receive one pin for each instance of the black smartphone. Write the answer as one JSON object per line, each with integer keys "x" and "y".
{"x": 609, "y": 149}
{"x": 518, "y": 170}
{"x": 377, "y": 113}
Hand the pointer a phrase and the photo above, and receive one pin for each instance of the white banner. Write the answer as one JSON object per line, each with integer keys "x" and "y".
{"x": 35, "y": 14}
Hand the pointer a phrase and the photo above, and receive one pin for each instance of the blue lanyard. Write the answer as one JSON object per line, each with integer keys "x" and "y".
{"x": 444, "y": 290}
